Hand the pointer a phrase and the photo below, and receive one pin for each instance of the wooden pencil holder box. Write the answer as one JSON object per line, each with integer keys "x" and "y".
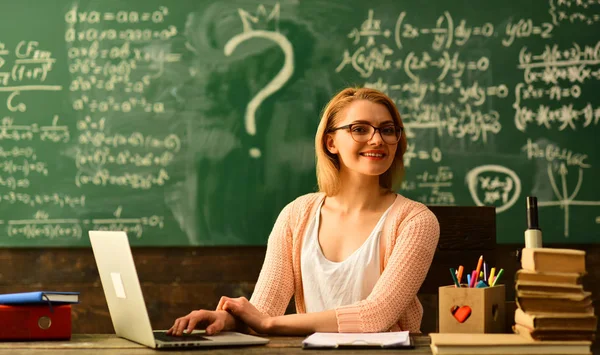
{"x": 471, "y": 310}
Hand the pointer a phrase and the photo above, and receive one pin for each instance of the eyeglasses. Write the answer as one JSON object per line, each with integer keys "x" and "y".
{"x": 364, "y": 132}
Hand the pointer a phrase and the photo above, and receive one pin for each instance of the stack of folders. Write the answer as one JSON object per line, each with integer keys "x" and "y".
{"x": 41, "y": 315}
{"x": 551, "y": 301}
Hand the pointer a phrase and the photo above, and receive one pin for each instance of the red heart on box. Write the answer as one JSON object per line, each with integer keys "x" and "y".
{"x": 461, "y": 313}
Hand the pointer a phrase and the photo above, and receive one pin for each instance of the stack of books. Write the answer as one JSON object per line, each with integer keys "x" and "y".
{"x": 462, "y": 344}
{"x": 551, "y": 301}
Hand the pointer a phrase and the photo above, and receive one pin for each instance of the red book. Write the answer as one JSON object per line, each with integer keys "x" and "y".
{"x": 35, "y": 322}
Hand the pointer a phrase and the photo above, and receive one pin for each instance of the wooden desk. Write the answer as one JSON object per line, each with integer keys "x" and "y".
{"x": 89, "y": 344}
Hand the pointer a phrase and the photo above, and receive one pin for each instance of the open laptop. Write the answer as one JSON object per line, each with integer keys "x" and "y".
{"x": 126, "y": 302}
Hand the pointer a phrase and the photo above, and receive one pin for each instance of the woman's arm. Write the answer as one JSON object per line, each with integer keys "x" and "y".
{"x": 302, "y": 324}
{"x": 275, "y": 285}
{"x": 291, "y": 324}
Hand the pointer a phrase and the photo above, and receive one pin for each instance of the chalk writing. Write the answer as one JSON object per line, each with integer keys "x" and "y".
{"x": 438, "y": 184}
{"x": 104, "y": 156}
{"x": 15, "y": 152}
{"x": 136, "y": 139}
{"x": 45, "y": 229}
{"x": 15, "y": 132}
{"x": 111, "y": 104}
{"x": 25, "y": 68}
{"x": 72, "y": 228}
{"x": 26, "y": 167}
{"x": 112, "y": 68}
{"x": 565, "y": 116}
{"x": 105, "y": 59}
{"x": 367, "y": 62}
{"x": 552, "y": 67}
{"x": 411, "y": 153}
{"x": 123, "y": 16}
{"x": 553, "y": 64}
{"x": 370, "y": 28}
{"x": 129, "y": 34}
{"x": 446, "y": 32}
{"x": 554, "y": 56}
{"x": 552, "y": 152}
{"x": 494, "y": 185}
{"x": 572, "y": 11}
{"x": 57, "y": 199}
{"x": 12, "y": 183}
{"x": 564, "y": 199}
{"x": 104, "y": 177}
{"x": 454, "y": 120}
{"x": 525, "y": 28}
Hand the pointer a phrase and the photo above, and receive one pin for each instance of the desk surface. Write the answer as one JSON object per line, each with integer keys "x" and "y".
{"x": 111, "y": 344}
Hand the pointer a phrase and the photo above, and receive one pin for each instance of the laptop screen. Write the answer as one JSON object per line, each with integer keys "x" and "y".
{"x": 121, "y": 286}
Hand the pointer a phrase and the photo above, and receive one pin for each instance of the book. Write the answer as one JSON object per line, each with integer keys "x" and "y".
{"x": 543, "y": 287}
{"x": 35, "y": 322}
{"x": 556, "y": 321}
{"x": 553, "y": 260}
{"x": 523, "y": 275}
{"x": 39, "y": 297}
{"x": 358, "y": 340}
{"x": 497, "y": 343}
{"x": 544, "y": 335}
{"x": 557, "y": 303}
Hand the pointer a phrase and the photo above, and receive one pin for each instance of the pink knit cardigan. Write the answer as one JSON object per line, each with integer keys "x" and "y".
{"x": 408, "y": 241}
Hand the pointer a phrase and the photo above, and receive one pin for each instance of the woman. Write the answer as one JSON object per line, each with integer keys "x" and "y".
{"x": 355, "y": 254}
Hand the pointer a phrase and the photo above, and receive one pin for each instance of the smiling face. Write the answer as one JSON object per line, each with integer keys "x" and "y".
{"x": 373, "y": 157}
{"x": 338, "y": 155}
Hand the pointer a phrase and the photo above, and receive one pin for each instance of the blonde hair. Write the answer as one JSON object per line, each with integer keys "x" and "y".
{"x": 328, "y": 164}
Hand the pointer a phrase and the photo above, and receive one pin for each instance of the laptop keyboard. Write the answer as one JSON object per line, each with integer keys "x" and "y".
{"x": 185, "y": 337}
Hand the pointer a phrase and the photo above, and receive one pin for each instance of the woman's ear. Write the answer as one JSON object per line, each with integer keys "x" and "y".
{"x": 330, "y": 143}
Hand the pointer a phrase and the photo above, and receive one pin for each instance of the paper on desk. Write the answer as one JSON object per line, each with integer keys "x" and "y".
{"x": 334, "y": 340}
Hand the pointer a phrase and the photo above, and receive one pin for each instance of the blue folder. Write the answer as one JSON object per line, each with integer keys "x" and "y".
{"x": 39, "y": 297}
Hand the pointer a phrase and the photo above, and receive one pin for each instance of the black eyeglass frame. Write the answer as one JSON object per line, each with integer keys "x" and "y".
{"x": 375, "y": 129}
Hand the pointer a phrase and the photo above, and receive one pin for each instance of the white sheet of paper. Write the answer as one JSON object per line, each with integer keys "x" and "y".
{"x": 358, "y": 339}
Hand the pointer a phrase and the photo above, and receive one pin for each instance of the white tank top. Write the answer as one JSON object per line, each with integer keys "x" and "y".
{"x": 329, "y": 284}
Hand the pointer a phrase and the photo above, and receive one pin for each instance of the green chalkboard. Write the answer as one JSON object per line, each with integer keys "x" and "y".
{"x": 192, "y": 122}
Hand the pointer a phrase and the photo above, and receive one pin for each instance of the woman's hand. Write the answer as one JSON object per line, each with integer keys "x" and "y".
{"x": 214, "y": 321}
{"x": 244, "y": 310}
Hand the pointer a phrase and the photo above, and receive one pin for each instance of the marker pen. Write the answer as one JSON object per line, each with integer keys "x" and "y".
{"x": 533, "y": 234}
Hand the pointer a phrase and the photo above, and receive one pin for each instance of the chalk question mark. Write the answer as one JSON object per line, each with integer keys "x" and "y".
{"x": 275, "y": 84}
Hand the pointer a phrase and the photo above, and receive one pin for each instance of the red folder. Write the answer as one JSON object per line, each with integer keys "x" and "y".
{"x": 35, "y": 322}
